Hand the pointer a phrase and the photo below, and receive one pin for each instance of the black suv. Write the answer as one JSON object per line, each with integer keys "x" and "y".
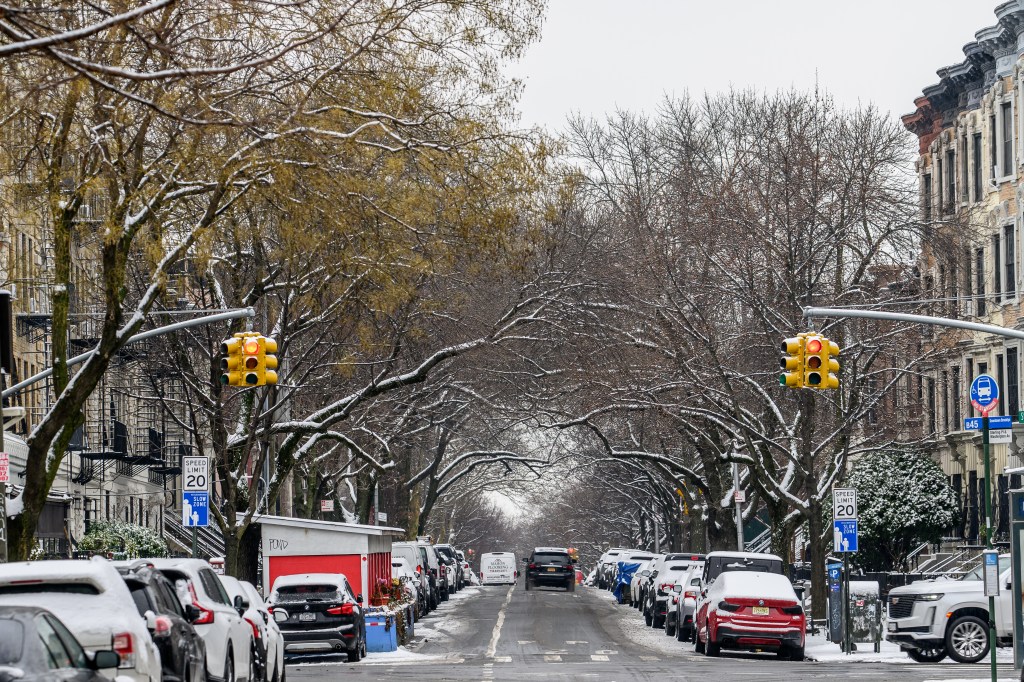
{"x": 317, "y": 612}
{"x": 550, "y": 566}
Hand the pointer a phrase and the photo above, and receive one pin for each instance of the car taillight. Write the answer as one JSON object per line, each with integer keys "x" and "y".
{"x": 794, "y": 610}
{"x": 124, "y": 645}
{"x": 205, "y": 614}
{"x": 665, "y": 587}
{"x": 419, "y": 569}
{"x": 162, "y": 626}
{"x": 690, "y": 594}
{"x": 532, "y": 566}
{"x": 346, "y": 609}
{"x": 726, "y": 606}
{"x": 255, "y": 630}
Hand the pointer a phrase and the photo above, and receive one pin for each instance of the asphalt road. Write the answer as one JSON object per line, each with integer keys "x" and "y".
{"x": 502, "y": 633}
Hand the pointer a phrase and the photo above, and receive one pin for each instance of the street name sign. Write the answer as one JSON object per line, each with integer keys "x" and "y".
{"x": 1005, "y": 422}
{"x": 999, "y": 436}
{"x": 984, "y": 393}
{"x": 844, "y": 503}
{"x": 195, "y": 474}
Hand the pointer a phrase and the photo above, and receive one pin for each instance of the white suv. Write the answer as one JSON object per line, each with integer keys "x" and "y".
{"x": 931, "y": 619}
{"x": 220, "y": 622}
{"x": 92, "y": 600}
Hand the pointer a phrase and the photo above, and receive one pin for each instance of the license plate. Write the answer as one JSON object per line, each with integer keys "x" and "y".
{"x": 552, "y": 570}
{"x": 306, "y": 617}
{"x": 761, "y": 610}
{"x": 893, "y": 627}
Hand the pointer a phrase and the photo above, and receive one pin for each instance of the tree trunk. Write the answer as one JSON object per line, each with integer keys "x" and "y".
{"x": 819, "y": 585}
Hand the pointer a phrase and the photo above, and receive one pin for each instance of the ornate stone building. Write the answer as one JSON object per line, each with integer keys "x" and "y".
{"x": 971, "y": 136}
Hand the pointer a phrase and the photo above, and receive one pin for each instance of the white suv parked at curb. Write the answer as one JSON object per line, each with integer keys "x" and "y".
{"x": 931, "y": 619}
{"x": 228, "y": 637}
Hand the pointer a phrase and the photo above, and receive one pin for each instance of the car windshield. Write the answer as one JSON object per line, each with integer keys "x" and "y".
{"x": 12, "y": 637}
{"x": 758, "y": 565}
{"x": 975, "y": 574}
{"x": 308, "y": 593}
{"x": 551, "y": 558}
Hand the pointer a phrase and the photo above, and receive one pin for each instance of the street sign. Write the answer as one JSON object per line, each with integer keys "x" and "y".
{"x": 990, "y": 576}
{"x": 195, "y": 509}
{"x": 326, "y": 505}
{"x": 1000, "y": 422}
{"x": 844, "y": 503}
{"x": 382, "y": 517}
{"x": 972, "y": 424}
{"x": 195, "y": 474}
{"x": 5, "y": 467}
{"x": 740, "y": 496}
{"x": 1020, "y": 417}
{"x": 1000, "y": 436}
{"x": 984, "y": 393}
{"x": 844, "y": 535}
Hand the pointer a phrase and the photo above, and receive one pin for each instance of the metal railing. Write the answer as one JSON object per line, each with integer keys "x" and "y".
{"x": 210, "y": 541}
{"x": 915, "y": 554}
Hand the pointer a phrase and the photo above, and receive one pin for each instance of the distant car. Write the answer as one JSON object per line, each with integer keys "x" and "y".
{"x": 656, "y": 607}
{"x": 36, "y": 646}
{"x": 275, "y": 670}
{"x": 267, "y": 646}
{"x": 498, "y": 568}
{"x": 606, "y": 567}
{"x": 636, "y": 587}
{"x": 406, "y": 574}
{"x": 182, "y": 650}
{"x": 450, "y": 564}
{"x": 92, "y": 600}
{"x": 751, "y": 610}
{"x": 551, "y": 567}
{"x": 318, "y": 612}
{"x": 686, "y": 591}
{"x": 226, "y": 634}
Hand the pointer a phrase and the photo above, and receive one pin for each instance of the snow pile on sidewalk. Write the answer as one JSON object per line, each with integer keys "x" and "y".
{"x": 818, "y": 648}
{"x": 402, "y": 655}
{"x": 465, "y": 592}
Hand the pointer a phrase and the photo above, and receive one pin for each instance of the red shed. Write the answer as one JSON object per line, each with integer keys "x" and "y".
{"x": 362, "y": 553}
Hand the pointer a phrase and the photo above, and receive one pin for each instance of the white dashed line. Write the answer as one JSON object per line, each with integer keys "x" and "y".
{"x": 598, "y": 657}
{"x": 649, "y": 658}
{"x": 502, "y": 659}
{"x": 553, "y": 658}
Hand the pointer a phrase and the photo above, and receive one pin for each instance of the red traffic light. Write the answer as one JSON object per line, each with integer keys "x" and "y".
{"x": 252, "y": 346}
{"x": 814, "y": 346}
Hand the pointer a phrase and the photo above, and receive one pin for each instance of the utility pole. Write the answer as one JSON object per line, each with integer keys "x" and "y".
{"x": 6, "y": 366}
{"x": 738, "y": 505}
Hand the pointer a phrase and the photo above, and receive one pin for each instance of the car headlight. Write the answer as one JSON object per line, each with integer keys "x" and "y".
{"x": 930, "y": 597}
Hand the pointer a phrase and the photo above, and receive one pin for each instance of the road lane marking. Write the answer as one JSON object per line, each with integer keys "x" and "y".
{"x": 502, "y": 659}
{"x": 598, "y": 657}
{"x": 493, "y": 646}
{"x": 649, "y": 658}
{"x": 576, "y": 641}
{"x": 552, "y": 658}
{"x": 526, "y": 641}
{"x": 607, "y": 652}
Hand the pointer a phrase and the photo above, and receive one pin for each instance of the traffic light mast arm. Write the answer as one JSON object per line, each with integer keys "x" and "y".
{"x": 142, "y": 336}
{"x": 917, "y": 319}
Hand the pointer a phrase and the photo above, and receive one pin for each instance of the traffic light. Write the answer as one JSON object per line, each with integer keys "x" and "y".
{"x": 269, "y": 361}
{"x": 820, "y": 368}
{"x": 231, "y": 363}
{"x": 792, "y": 362}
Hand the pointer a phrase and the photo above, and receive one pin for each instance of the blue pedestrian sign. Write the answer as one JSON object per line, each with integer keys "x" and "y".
{"x": 195, "y": 509}
{"x": 984, "y": 393}
{"x": 844, "y": 535}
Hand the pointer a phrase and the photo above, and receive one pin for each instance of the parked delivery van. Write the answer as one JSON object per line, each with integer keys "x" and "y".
{"x": 498, "y": 568}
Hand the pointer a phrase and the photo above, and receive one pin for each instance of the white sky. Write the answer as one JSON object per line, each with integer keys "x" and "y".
{"x": 596, "y": 55}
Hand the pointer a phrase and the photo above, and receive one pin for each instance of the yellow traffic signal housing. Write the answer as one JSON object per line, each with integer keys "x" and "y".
{"x": 832, "y": 367}
{"x": 792, "y": 362}
{"x": 269, "y": 361}
{"x": 815, "y": 360}
{"x": 231, "y": 363}
{"x": 252, "y": 354}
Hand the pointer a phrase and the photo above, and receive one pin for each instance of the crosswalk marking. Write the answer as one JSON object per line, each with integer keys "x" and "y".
{"x": 649, "y": 658}
{"x": 552, "y": 658}
{"x": 576, "y": 641}
{"x": 598, "y": 657}
{"x": 502, "y": 659}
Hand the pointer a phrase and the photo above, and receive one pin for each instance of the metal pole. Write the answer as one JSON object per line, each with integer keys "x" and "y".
{"x": 3, "y": 488}
{"x": 739, "y": 505}
{"x": 847, "y": 635}
{"x": 920, "y": 319}
{"x": 988, "y": 541}
{"x": 195, "y": 542}
{"x": 159, "y": 331}
{"x": 657, "y": 536}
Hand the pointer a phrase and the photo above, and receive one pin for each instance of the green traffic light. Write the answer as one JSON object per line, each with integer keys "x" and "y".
{"x": 251, "y": 379}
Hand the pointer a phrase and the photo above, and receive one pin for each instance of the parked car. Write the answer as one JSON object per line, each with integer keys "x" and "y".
{"x": 267, "y": 644}
{"x": 606, "y": 567}
{"x": 450, "y": 563}
{"x": 465, "y": 570}
{"x": 930, "y": 619}
{"x": 416, "y": 556}
{"x": 657, "y": 595}
{"x": 435, "y": 569}
{"x": 406, "y": 574}
{"x": 76, "y": 592}
{"x": 182, "y": 650}
{"x": 751, "y": 610}
{"x": 498, "y": 568}
{"x": 717, "y": 563}
{"x": 686, "y": 591}
{"x": 550, "y": 566}
{"x": 35, "y": 645}
{"x": 636, "y": 585}
{"x": 318, "y": 612}
{"x": 220, "y": 624}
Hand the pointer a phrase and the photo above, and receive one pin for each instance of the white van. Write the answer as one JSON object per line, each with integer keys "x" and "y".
{"x": 498, "y": 568}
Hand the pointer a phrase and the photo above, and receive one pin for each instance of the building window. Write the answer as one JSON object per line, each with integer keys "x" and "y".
{"x": 1000, "y": 375}
{"x": 1007, "y": 111}
{"x": 977, "y": 167}
{"x": 954, "y": 373}
{"x": 951, "y": 178}
{"x": 992, "y": 145}
{"x": 1009, "y": 261}
{"x": 996, "y": 274}
{"x": 979, "y": 281}
{"x": 942, "y": 188}
{"x": 969, "y": 364}
{"x": 1012, "y": 382}
{"x": 928, "y": 197}
{"x": 931, "y": 406}
{"x": 945, "y": 400}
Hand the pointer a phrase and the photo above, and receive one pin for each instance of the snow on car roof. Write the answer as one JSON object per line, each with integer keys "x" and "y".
{"x": 743, "y": 555}
{"x": 754, "y": 584}
{"x": 306, "y": 578}
{"x": 96, "y": 570}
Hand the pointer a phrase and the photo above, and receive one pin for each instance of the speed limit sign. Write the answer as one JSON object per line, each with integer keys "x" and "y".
{"x": 844, "y": 503}
{"x": 195, "y": 473}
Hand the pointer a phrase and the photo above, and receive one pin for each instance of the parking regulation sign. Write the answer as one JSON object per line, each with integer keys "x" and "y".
{"x": 984, "y": 393}
{"x": 195, "y": 509}
{"x": 5, "y": 468}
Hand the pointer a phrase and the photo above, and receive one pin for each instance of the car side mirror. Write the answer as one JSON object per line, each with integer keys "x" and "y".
{"x": 359, "y": 599}
{"x": 525, "y": 560}
{"x": 677, "y": 589}
{"x": 241, "y": 604}
{"x": 101, "y": 660}
{"x": 192, "y": 613}
{"x": 150, "y": 621}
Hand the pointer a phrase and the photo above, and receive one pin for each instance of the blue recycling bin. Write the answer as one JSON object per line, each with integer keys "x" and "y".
{"x": 381, "y": 632}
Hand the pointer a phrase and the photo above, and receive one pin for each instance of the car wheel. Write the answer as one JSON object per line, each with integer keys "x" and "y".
{"x": 229, "y": 667}
{"x": 711, "y": 648}
{"x": 681, "y": 635}
{"x": 572, "y": 585}
{"x": 967, "y": 639}
{"x": 670, "y": 627}
{"x": 926, "y": 655}
{"x": 647, "y": 617}
{"x": 698, "y": 645}
{"x": 658, "y": 622}
{"x": 796, "y": 653}
{"x": 254, "y": 667}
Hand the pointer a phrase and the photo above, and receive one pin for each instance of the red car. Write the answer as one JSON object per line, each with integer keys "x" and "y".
{"x": 751, "y": 611}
